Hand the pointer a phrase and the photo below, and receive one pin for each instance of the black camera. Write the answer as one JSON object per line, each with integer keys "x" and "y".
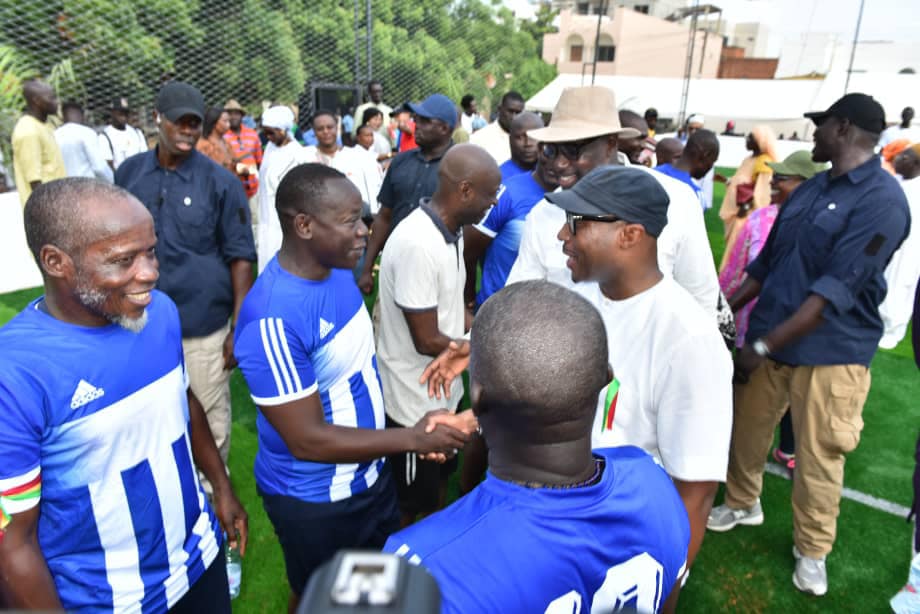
{"x": 361, "y": 582}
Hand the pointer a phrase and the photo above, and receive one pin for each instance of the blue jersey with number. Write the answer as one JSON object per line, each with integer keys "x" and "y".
{"x": 94, "y": 430}
{"x": 295, "y": 338}
{"x": 619, "y": 544}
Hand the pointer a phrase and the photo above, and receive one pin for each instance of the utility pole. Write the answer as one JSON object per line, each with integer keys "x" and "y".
{"x": 602, "y": 10}
{"x": 363, "y": 27}
{"x": 688, "y": 69}
{"x": 846, "y": 85}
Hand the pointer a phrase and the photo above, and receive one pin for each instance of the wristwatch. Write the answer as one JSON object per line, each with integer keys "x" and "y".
{"x": 760, "y": 347}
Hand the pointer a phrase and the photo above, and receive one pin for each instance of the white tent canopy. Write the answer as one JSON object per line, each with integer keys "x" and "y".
{"x": 779, "y": 103}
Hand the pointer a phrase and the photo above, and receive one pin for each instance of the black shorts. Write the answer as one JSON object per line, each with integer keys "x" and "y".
{"x": 209, "y": 593}
{"x": 418, "y": 481}
{"x": 310, "y": 533}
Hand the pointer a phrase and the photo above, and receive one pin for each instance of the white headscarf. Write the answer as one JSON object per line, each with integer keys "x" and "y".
{"x": 696, "y": 119}
{"x": 279, "y": 117}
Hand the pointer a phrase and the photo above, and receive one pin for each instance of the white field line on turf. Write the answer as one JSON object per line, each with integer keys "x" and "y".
{"x": 853, "y": 495}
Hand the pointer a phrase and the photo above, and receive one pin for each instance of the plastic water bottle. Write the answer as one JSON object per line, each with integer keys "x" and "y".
{"x": 234, "y": 569}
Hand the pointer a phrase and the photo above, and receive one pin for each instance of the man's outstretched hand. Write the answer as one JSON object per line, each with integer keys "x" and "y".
{"x": 443, "y": 370}
{"x": 436, "y": 436}
{"x": 464, "y": 421}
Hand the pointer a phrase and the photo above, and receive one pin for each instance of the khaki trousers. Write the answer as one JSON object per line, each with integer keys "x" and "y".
{"x": 827, "y": 404}
{"x": 204, "y": 362}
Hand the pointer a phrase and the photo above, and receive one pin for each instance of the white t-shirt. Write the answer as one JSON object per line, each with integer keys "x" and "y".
{"x": 675, "y": 394}
{"x": 893, "y": 133}
{"x": 683, "y": 246}
{"x": 901, "y": 274}
{"x": 276, "y": 162}
{"x": 362, "y": 169}
{"x": 493, "y": 139}
{"x": 80, "y": 149}
{"x": 381, "y": 144}
{"x": 118, "y": 145}
{"x": 421, "y": 269}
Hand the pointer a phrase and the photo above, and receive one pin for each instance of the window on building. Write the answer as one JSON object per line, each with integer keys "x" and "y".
{"x": 641, "y": 8}
{"x": 605, "y": 53}
{"x": 583, "y": 8}
{"x": 575, "y": 52}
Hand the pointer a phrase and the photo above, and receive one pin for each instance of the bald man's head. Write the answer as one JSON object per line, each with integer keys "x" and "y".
{"x": 40, "y": 98}
{"x": 668, "y": 150}
{"x": 94, "y": 244}
{"x": 75, "y": 212}
{"x": 468, "y": 182}
{"x": 538, "y": 360}
{"x": 523, "y": 148}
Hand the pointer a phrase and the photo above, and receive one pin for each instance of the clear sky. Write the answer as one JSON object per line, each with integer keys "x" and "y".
{"x": 897, "y": 20}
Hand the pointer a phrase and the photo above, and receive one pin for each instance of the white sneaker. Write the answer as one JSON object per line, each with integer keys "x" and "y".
{"x": 810, "y": 574}
{"x": 724, "y": 518}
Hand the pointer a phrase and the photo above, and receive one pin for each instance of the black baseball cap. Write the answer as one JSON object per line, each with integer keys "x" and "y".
{"x": 628, "y": 193}
{"x": 860, "y": 109}
{"x": 120, "y": 104}
{"x": 177, "y": 99}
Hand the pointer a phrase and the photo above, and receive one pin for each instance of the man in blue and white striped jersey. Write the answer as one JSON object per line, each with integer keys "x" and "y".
{"x": 305, "y": 344}
{"x": 100, "y": 505}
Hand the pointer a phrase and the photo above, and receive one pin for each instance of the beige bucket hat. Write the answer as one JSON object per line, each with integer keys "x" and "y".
{"x": 583, "y": 113}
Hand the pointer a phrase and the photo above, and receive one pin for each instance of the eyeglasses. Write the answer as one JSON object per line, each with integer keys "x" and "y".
{"x": 571, "y": 151}
{"x": 571, "y": 218}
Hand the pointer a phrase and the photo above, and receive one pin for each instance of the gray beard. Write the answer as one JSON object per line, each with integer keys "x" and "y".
{"x": 94, "y": 300}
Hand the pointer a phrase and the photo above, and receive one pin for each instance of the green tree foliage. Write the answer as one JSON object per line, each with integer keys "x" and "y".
{"x": 254, "y": 50}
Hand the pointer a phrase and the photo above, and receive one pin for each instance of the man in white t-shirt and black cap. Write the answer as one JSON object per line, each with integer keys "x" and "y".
{"x": 671, "y": 393}
{"x": 120, "y": 140}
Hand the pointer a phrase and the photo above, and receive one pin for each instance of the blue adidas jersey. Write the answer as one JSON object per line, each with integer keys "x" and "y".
{"x": 96, "y": 421}
{"x": 505, "y": 224}
{"x": 295, "y": 338}
{"x": 620, "y": 544}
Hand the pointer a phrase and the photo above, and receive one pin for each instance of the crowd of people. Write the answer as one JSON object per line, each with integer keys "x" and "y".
{"x": 616, "y": 375}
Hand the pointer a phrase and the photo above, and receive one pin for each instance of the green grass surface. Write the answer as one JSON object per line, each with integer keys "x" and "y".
{"x": 746, "y": 570}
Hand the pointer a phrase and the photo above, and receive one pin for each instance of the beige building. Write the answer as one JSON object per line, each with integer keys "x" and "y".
{"x": 656, "y": 8}
{"x": 630, "y": 43}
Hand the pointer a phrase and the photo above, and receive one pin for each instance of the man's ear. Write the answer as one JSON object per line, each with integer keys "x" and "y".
{"x": 304, "y": 226}
{"x": 631, "y": 235}
{"x": 612, "y": 144}
{"x": 55, "y": 262}
{"x": 466, "y": 189}
{"x": 477, "y": 400}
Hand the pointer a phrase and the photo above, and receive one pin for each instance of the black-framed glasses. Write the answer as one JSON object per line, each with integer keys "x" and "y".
{"x": 571, "y": 218}
{"x": 572, "y": 150}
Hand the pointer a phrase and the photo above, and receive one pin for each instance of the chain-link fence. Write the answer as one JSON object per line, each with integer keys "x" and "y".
{"x": 306, "y": 52}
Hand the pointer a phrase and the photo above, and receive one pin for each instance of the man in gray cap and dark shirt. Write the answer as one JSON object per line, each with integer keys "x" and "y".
{"x": 204, "y": 245}
{"x": 671, "y": 392}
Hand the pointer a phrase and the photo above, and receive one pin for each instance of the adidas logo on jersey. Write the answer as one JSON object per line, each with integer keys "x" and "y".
{"x": 85, "y": 393}
{"x": 325, "y": 328}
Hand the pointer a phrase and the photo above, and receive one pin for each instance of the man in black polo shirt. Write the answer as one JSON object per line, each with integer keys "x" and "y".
{"x": 204, "y": 244}
{"x": 816, "y": 326}
{"x": 413, "y": 175}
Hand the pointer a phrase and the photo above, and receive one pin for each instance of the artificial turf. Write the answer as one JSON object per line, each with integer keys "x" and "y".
{"x": 746, "y": 570}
